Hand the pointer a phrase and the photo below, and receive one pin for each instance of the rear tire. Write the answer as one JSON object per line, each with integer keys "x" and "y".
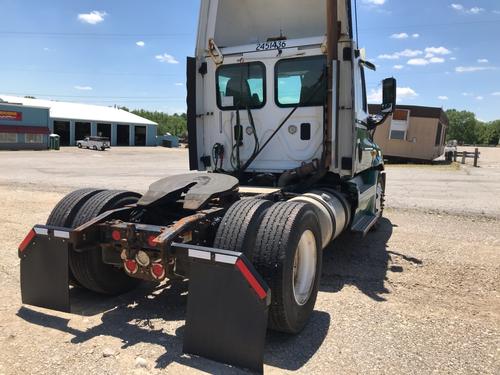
{"x": 288, "y": 255}
{"x": 238, "y": 229}
{"x": 88, "y": 267}
{"x": 63, "y": 214}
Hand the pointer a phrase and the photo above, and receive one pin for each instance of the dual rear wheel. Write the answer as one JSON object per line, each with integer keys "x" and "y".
{"x": 87, "y": 269}
{"x": 283, "y": 241}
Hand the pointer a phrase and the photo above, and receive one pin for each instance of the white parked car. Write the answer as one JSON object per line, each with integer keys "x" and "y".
{"x": 94, "y": 143}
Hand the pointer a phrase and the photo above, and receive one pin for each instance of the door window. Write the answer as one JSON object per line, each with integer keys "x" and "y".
{"x": 300, "y": 82}
{"x": 241, "y": 86}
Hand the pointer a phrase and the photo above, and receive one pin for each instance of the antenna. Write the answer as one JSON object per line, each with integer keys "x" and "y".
{"x": 356, "y": 21}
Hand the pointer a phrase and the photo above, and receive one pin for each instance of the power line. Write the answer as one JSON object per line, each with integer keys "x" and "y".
{"x": 442, "y": 24}
{"x": 87, "y": 73}
{"x": 96, "y": 96}
{"x": 91, "y": 35}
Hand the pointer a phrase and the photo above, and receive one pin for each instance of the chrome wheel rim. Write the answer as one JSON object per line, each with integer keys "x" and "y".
{"x": 304, "y": 267}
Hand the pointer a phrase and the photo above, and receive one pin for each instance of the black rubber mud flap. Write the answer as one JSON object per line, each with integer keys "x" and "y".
{"x": 44, "y": 268}
{"x": 227, "y": 308}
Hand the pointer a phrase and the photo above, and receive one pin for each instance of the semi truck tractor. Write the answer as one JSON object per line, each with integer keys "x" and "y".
{"x": 283, "y": 158}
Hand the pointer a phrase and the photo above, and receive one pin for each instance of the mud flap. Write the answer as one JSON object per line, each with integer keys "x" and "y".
{"x": 227, "y": 308}
{"x": 44, "y": 268}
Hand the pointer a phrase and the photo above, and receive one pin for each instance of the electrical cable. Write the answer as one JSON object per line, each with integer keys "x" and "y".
{"x": 287, "y": 117}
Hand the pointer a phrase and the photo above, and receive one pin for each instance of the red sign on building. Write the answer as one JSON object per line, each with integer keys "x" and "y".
{"x": 11, "y": 115}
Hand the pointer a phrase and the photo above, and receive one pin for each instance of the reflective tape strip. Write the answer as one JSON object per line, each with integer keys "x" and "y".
{"x": 251, "y": 279}
{"x": 61, "y": 234}
{"x": 41, "y": 231}
{"x": 225, "y": 259}
{"x": 27, "y": 240}
{"x": 200, "y": 254}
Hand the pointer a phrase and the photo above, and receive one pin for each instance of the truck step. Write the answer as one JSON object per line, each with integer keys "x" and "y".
{"x": 363, "y": 223}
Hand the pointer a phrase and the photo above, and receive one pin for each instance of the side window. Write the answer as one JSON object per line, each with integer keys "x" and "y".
{"x": 241, "y": 86}
{"x": 363, "y": 86}
{"x": 438, "y": 134}
{"x": 300, "y": 82}
{"x": 399, "y": 124}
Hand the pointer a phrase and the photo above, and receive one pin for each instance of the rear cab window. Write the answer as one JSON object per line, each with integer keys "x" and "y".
{"x": 241, "y": 86}
{"x": 300, "y": 82}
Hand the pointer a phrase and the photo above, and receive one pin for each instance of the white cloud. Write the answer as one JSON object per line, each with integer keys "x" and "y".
{"x": 179, "y": 84}
{"x": 400, "y": 36}
{"x": 437, "y": 51}
{"x": 46, "y": 49}
{"x": 482, "y": 61}
{"x": 406, "y": 93}
{"x": 402, "y": 93}
{"x": 93, "y": 17}
{"x": 140, "y": 43}
{"x": 419, "y": 62}
{"x": 436, "y": 60}
{"x": 83, "y": 88}
{"x": 397, "y": 55}
{"x": 398, "y": 67}
{"x": 479, "y": 97}
{"x": 374, "y": 2}
{"x": 416, "y": 35}
{"x": 460, "y": 8}
{"x": 497, "y": 93}
{"x": 166, "y": 58}
{"x": 475, "y": 10}
{"x": 453, "y": 58}
{"x": 443, "y": 97}
{"x": 410, "y": 53}
{"x": 471, "y": 69}
{"x": 467, "y": 94}
{"x": 496, "y": 11}
{"x": 393, "y": 56}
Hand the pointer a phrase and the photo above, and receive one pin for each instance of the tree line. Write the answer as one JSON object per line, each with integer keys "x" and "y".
{"x": 175, "y": 124}
{"x": 467, "y": 129}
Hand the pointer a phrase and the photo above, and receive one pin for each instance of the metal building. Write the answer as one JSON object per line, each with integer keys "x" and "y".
{"x": 71, "y": 121}
{"x": 23, "y": 127}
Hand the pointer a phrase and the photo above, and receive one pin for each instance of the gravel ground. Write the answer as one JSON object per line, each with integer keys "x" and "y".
{"x": 420, "y": 295}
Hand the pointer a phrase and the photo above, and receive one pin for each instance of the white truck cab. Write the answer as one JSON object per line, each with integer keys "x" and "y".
{"x": 256, "y": 62}
{"x": 277, "y": 96}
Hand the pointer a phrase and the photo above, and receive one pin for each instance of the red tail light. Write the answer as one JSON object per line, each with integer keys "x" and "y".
{"x": 131, "y": 266}
{"x": 29, "y": 237}
{"x": 158, "y": 271}
{"x": 116, "y": 235}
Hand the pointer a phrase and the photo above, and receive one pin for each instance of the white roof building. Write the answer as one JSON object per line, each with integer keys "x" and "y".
{"x": 80, "y": 112}
{"x": 75, "y": 121}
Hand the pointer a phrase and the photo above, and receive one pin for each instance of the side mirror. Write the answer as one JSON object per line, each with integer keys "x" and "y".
{"x": 388, "y": 95}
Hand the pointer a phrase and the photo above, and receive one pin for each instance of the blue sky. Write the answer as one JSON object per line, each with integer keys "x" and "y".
{"x": 443, "y": 53}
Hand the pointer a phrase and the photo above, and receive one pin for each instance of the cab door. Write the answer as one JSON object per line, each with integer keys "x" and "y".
{"x": 365, "y": 148}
